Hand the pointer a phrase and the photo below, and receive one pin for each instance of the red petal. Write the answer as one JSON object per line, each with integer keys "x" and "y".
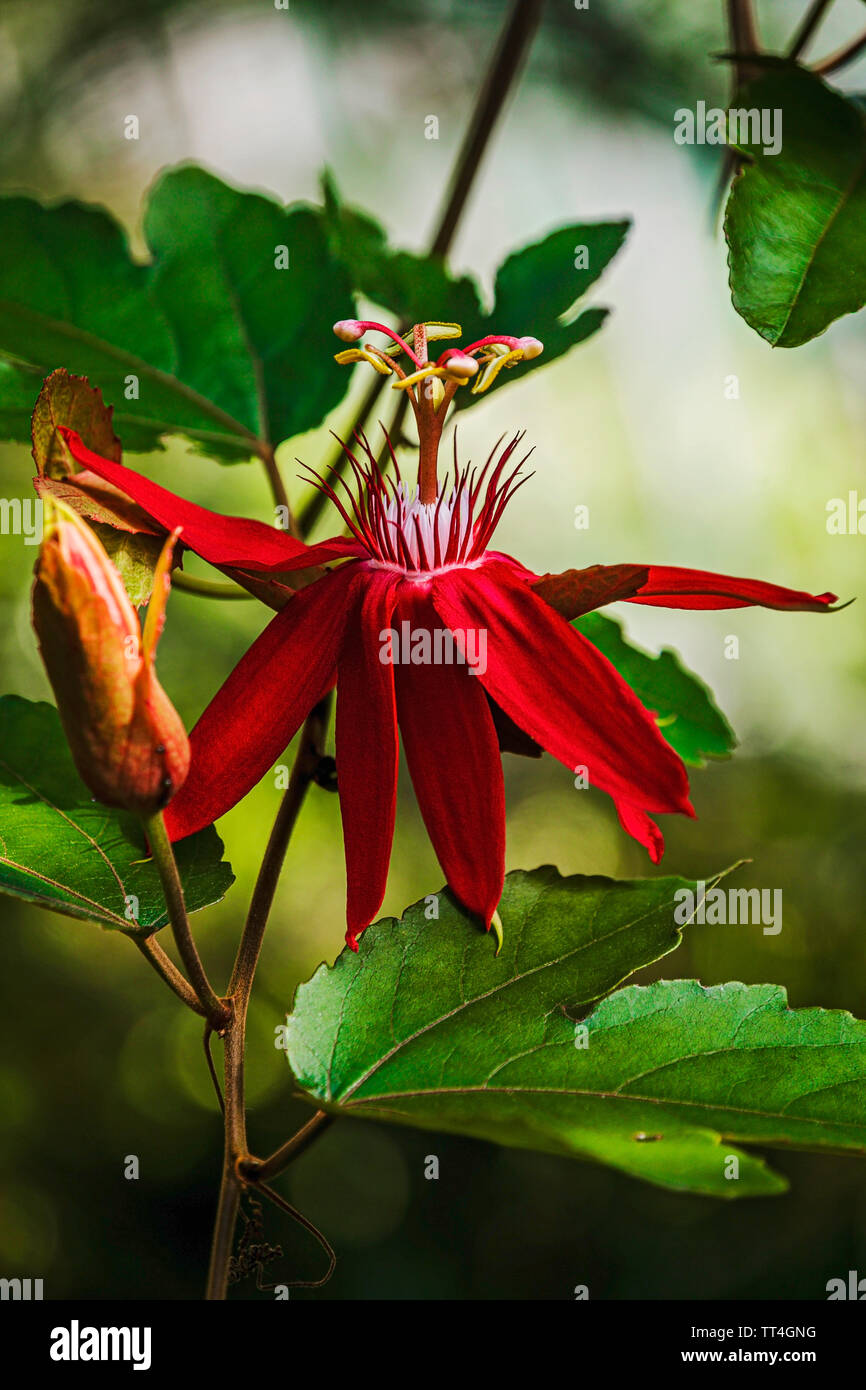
{"x": 367, "y": 750}
{"x": 561, "y": 691}
{"x": 516, "y": 566}
{"x": 453, "y": 757}
{"x": 669, "y": 586}
{"x": 575, "y": 592}
{"x": 221, "y": 540}
{"x": 642, "y": 828}
{"x": 258, "y": 711}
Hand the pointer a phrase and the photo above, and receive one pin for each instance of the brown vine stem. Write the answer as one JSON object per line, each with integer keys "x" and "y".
{"x": 235, "y": 1143}
{"x": 235, "y": 1152}
{"x": 213, "y": 1008}
{"x": 744, "y": 40}
{"x": 811, "y": 20}
{"x": 260, "y": 1170}
{"x": 168, "y": 971}
{"x": 842, "y": 57}
{"x": 278, "y": 487}
{"x": 515, "y": 38}
{"x": 743, "y": 30}
{"x": 315, "y": 504}
{"x": 743, "y": 33}
{"x": 275, "y": 477}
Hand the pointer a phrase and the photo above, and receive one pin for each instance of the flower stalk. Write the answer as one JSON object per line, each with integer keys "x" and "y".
{"x": 168, "y": 971}
{"x": 212, "y": 1007}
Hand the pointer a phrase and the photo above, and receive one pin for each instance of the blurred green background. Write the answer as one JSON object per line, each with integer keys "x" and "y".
{"x": 97, "y": 1060}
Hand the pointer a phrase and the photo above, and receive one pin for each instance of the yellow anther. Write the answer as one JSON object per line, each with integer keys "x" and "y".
{"x": 394, "y": 349}
{"x": 435, "y": 330}
{"x": 494, "y": 367}
{"x": 419, "y": 376}
{"x": 375, "y": 359}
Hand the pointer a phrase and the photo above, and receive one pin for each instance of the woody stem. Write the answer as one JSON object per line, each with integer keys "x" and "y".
{"x": 278, "y": 487}
{"x": 809, "y": 24}
{"x": 168, "y": 971}
{"x": 743, "y": 33}
{"x": 231, "y": 1185}
{"x": 213, "y": 1007}
{"x": 263, "y": 1169}
{"x": 842, "y": 57}
{"x": 743, "y": 30}
{"x": 514, "y": 40}
{"x": 240, "y": 987}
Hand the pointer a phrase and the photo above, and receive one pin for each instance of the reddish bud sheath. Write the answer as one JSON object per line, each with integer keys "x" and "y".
{"x": 126, "y": 737}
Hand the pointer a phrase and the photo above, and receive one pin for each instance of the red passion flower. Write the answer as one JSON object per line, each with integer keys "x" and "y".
{"x": 426, "y": 629}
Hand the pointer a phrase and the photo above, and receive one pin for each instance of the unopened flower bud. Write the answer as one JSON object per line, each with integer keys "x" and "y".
{"x": 348, "y": 330}
{"x": 126, "y": 737}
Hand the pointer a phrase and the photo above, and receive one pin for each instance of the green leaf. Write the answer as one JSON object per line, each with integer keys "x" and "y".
{"x": 221, "y": 345}
{"x": 19, "y": 387}
{"x": 706, "y": 1065}
{"x": 796, "y": 221}
{"x": 428, "y": 1027}
{"x": 71, "y": 401}
{"x": 687, "y": 716}
{"x": 134, "y": 556}
{"x": 63, "y": 850}
{"x": 536, "y": 288}
{"x": 540, "y": 285}
{"x": 255, "y": 338}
